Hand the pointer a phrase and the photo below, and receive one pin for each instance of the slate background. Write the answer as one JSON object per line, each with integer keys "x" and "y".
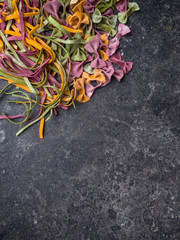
{"x": 108, "y": 170}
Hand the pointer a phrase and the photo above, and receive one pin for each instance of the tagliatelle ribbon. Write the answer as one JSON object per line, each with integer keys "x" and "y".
{"x": 57, "y": 52}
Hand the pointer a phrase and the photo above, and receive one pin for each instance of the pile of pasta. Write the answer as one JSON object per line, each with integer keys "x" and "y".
{"x": 58, "y": 52}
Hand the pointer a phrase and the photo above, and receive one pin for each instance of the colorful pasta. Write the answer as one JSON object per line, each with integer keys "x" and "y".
{"x": 58, "y": 52}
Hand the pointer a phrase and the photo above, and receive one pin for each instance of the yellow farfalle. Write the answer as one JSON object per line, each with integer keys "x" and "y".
{"x": 102, "y": 52}
{"x": 87, "y": 78}
{"x": 97, "y": 76}
{"x": 104, "y": 39}
{"x": 79, "y": 7}
{"x": 80, "y": 86}
{"x": 77, "y": 20}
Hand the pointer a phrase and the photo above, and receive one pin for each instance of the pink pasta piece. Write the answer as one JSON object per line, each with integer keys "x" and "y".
{"x": 90, "y": 88}
{"x": 126, "y": 66}
{"x": 52, "y": 7}
{"x": 90, "y": 5}
{"x": 123, "y": 29}
{"x": 98, "y": 62}
{"x": 122, "y": 5}
{"x": 118, "y": 74}
{"x": 108, "y": 71}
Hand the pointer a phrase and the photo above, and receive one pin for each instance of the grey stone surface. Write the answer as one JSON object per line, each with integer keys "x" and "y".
{"x": 108, "y": 170}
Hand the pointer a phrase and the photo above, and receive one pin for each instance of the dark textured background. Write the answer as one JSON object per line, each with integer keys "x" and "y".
{"x": 109, "y": 169}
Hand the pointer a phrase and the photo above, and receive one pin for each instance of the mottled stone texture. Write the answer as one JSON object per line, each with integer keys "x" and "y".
{"x": 109, "y": 169}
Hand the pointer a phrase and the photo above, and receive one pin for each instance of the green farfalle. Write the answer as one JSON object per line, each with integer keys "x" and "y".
{"x": 112, "y": 20}
{"x": 87, "y": 68}
{"x": 123, "y": 16}
{"x": 88, "y": 29}
{"x": 108, "y": 24}
{"x": 103, "y": 5}
{"x": 79, "y": 54}
{"x": 108, "y": 29}
{"x": 73, "y": 47}
{"x": 64, "y": 4}
{"x": 77, "y": 51}
{"x": 96, "y": 17}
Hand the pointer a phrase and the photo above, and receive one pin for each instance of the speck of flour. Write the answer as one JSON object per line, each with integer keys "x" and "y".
{"x": 2, "y": 136}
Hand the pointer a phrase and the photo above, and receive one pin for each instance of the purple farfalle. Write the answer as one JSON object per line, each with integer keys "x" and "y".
{"x": 92, "y": 47}
{"x": 90, "y": 88}
{"x": 114, "y": 42}
{"x": 90, "y": 5}
{"x": 108, "y": 12}
{"x": 123, "y": 29}
{"x": 52, "y": 7}
{"x": 118, "y": 74}
{"x": 126, "y": 66}
{"x": 98, "y": 62}
{"x": 113, "y": 45}
{"x": 77, "y": 68}
{"x": 122, "y": 5}
{"x": 108, "y": 71}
